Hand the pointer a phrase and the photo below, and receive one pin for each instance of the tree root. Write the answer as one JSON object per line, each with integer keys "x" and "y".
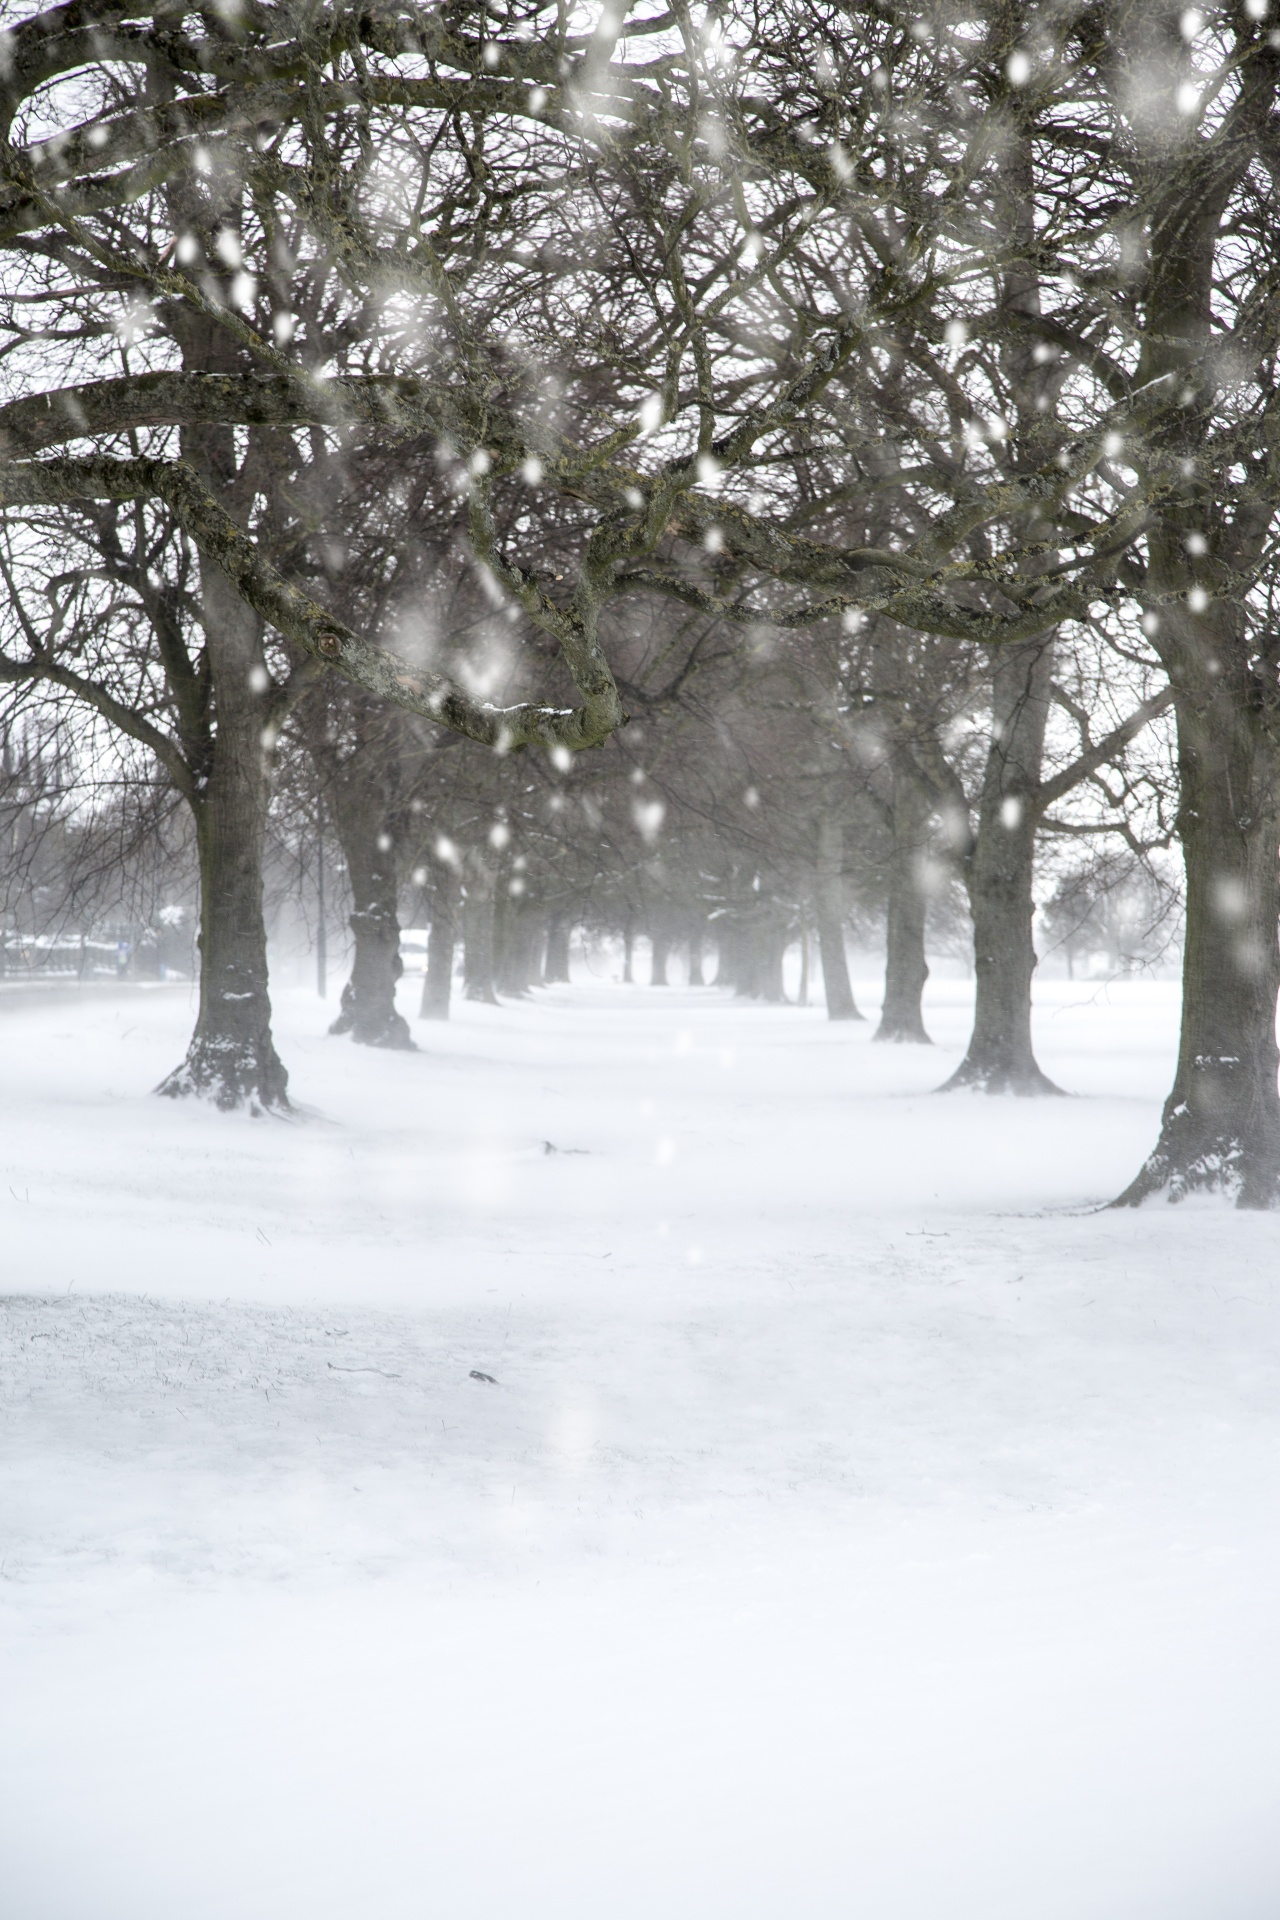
{"x": 233, "y": 1076}
{"x": 1026, "y": 1082}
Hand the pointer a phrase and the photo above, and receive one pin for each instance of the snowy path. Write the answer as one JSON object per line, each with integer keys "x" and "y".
{"x": 858, "y": 1526}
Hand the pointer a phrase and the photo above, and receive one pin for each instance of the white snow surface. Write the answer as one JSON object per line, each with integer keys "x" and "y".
{"x": 861, "y": 1523}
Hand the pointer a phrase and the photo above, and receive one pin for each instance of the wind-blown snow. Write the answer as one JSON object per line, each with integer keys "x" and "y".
{"x": 857, "y": 1525}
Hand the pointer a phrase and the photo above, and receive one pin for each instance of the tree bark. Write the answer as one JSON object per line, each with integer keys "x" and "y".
{"x": 906, "y": 969}
{"x": 1220, "y": 1131}
{"x": 232, "y": 1058}
{"x": 1000, "y": 1056}
{"x": 829, "y": 913}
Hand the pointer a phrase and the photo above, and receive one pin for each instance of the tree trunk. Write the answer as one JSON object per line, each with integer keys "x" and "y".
{"x": 437, "y": 984}
{"x": 477, "y": 926}
{"x": 661, "y": 954}
{"x": 517, "y": 939}
{"x": 696, "y": 978}
{"x": 906, "y": 969}
{"x": 1221, "y": 1126}
{"x": 728, "y": 944}
{"x": 1000, "y": 1058}
{"x": 232, "y": 1058}
{"x": 772, "y": 941}
{"x": 999, "y": 871}
{"x": 744, "y": 961}
{"x": 829, "y": 913}
{"x": 555, "y": 967}
{"x": 628, "y": 954}
{"x": 759, "y": 948}
{"x": 367, "y": 1009}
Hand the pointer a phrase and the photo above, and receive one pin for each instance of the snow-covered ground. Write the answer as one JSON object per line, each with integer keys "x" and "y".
{"x": 859, "y": 1524}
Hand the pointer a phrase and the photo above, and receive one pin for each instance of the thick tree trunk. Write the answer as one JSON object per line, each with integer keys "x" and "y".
{"x": 660, "y": 943}
{"x": 772, "y": 960}
{"x": 437, "y": 984}
{"x": 1000, "y": 1057}
{"x": 555, "y": 966}
{"x": 999, "y": 872}
{"x": 743, "y": 969}
{"x": 532, "y": 947}
{"x": 232, "y": 1058}
{"x": 367, "y": 1009}
{"x": 518, "y": 941}
{"x": 772, "y": 939}
{"x": 829, "y": 913}
{"x": 363, "y": 791}
{"x": 696, "y": 978}
{"x": 727, "y": 953}
{"x": 477, "y": 934}
{"x": 906, "y": 969}
{"x": 1221, "y": 1126}
{"x": 759, "y": 949}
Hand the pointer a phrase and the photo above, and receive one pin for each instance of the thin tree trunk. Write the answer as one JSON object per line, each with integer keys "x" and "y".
{"x": 1000, "y": 1057}
{"x": 829, "y": 913}
{"x": 1221, "y": 1126}
{"x": 628, "y": 954}
{"x": 906, "y": 969}
{"x": 232, "y": 1058}
{"x": 661, "y": 953}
